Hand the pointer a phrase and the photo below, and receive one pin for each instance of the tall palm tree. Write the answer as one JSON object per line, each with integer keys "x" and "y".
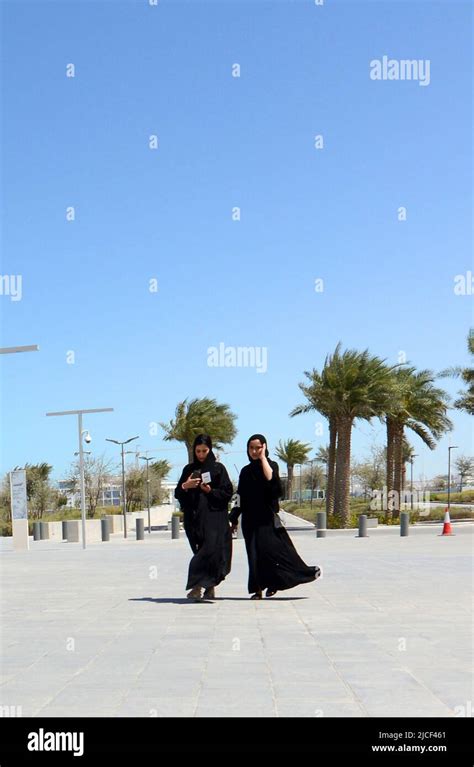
{"x": 417, "y": 405}
{"x": 352, "y": 385}
{"x": 466, "y": 400}
{"x": 321, "y": 399}
{"x": 292, "y": 452}
{"x": 201, "y": 416}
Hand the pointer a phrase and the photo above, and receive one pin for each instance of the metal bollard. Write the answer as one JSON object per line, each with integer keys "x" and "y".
{"x": 404, "y": 522}
{"x": 105, "y": 529}
{"x": 320, "y": 524}
{"x": 44, "y": 531}
{"x": 175, "y": 526}
{"x": 363, "y": 526}
{"x": 140, "y": 527}
{"x": 36, "y": 531}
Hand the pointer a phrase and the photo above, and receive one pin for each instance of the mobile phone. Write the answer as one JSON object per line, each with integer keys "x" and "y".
{"x": 196, "y": 474}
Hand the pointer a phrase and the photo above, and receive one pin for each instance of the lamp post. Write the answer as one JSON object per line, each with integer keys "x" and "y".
{"x": 144, "y": 458}
{"x": 124, "y": 502}
{"x": 451, "y": 447}
{"x": 413, "y": 455}
{"x": 82, "y": 432}
{"x": 16, "y": 349}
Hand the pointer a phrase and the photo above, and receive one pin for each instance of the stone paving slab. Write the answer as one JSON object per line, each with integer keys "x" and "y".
{"x": 107, "y": 631}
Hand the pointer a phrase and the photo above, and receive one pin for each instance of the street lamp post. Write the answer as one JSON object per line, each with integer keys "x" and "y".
{"x": 413, "y": 455}
{"x": 82, "y": 431}
{"x": 451, "y": 447}
{"x": 124, "y": 503}
{"x": 144, "y": 458}
{"x": 16, "y": 349}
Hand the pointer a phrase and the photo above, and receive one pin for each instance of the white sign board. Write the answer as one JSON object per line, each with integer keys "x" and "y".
{"x": 19, "y": 509}
{"x": 18, "y": 494}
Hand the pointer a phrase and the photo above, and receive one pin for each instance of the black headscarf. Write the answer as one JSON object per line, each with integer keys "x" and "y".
{"x": 256, "y": 464}
{"x": 210, "y": 460}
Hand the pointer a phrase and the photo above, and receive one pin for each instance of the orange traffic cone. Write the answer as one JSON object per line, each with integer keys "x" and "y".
{"x": 447, "y": 523}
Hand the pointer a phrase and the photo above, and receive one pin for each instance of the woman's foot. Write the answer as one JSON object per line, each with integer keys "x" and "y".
{"x": 270, "y": 593}
{"x": 257, "y": 595}
{"x": 195, "y": 594}
{"x": 209, "y": 593}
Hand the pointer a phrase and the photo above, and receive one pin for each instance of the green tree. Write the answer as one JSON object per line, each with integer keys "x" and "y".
{"x": 418, "y": 405}
{"x": 201, "y": 416}
{"x": 39, "y": 491}
{"x": 465, "y": 467}
{"x": 291, "y": 453}
{"x": 352, "y": 385}
{"x": 465, "y": 401}
{"x": 97, "y": 474}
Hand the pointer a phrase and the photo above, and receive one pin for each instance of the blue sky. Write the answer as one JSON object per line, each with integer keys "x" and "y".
{"x": 166, "y": 214}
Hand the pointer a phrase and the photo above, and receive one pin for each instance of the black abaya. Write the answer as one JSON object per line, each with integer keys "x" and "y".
{"x": 273, "y": 560}
{"x": 206, "y": 523}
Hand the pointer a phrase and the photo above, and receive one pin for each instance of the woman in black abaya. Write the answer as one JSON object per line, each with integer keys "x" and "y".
{"x": 204, "y": 500}
{"x": 274, "y": 563}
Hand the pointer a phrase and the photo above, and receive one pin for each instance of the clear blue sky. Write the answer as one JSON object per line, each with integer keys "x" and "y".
{"x": 166, "y": 214}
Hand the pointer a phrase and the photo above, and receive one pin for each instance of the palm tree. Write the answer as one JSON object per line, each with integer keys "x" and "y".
{"x": 352, "y": 385}
{"x": 292, "y": 452}
{"x": 160, "y": 468}
{"x": 417, "y": 405}
{"x": 320, "y": 399}
{"x": 466, "y": 400}
{"x": 201, "y": 416}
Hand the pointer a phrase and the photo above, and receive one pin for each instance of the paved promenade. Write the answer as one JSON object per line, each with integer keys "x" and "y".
{"x": 107, "y": 631}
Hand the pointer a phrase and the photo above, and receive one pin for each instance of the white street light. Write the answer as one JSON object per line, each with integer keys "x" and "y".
{"x": 17, "y": 349}
{"x": 125, "y": 442}
{"x": 81, "y": 432}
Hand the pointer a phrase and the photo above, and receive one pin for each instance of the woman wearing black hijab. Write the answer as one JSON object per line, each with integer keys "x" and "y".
{"x": 204, "y": 491}
{"x": 274, "y": 563}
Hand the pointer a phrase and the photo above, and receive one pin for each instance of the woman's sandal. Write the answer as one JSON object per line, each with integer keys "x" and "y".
{"x": 257, "y": 595}
{"x": 270, "y": 593}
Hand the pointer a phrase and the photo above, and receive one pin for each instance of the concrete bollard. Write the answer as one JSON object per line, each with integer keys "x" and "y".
{"x": 404, "y": 522}
{"x": 36, "y": 531}
{"x": 320, "y": 524}
{"x": 72, "y": 530}
{"x": 105, "y": 529}
{"x": 44, "y": 531}
{"x": 363, "y": 526}
{"x": 64, "y": 529}
{"x": 175, "y": 526}
{"x": 140, "y": 527}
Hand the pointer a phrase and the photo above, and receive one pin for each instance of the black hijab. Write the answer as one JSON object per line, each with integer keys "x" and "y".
{"x": 255, "y": 463}
{"x": 210, "y": 459}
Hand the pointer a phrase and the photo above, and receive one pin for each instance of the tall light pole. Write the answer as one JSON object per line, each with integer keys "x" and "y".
{"x": 145, "y": 458}
{"x": 451, "y": 447}
{"x": 124, "y": 502}
{"x": 16, "y": 349}
{"x": 81, "y": 432}
{"x": 413, "y": 455}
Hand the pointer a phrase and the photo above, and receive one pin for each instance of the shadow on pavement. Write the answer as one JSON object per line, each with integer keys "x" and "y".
{"x": 185, "y": 601}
